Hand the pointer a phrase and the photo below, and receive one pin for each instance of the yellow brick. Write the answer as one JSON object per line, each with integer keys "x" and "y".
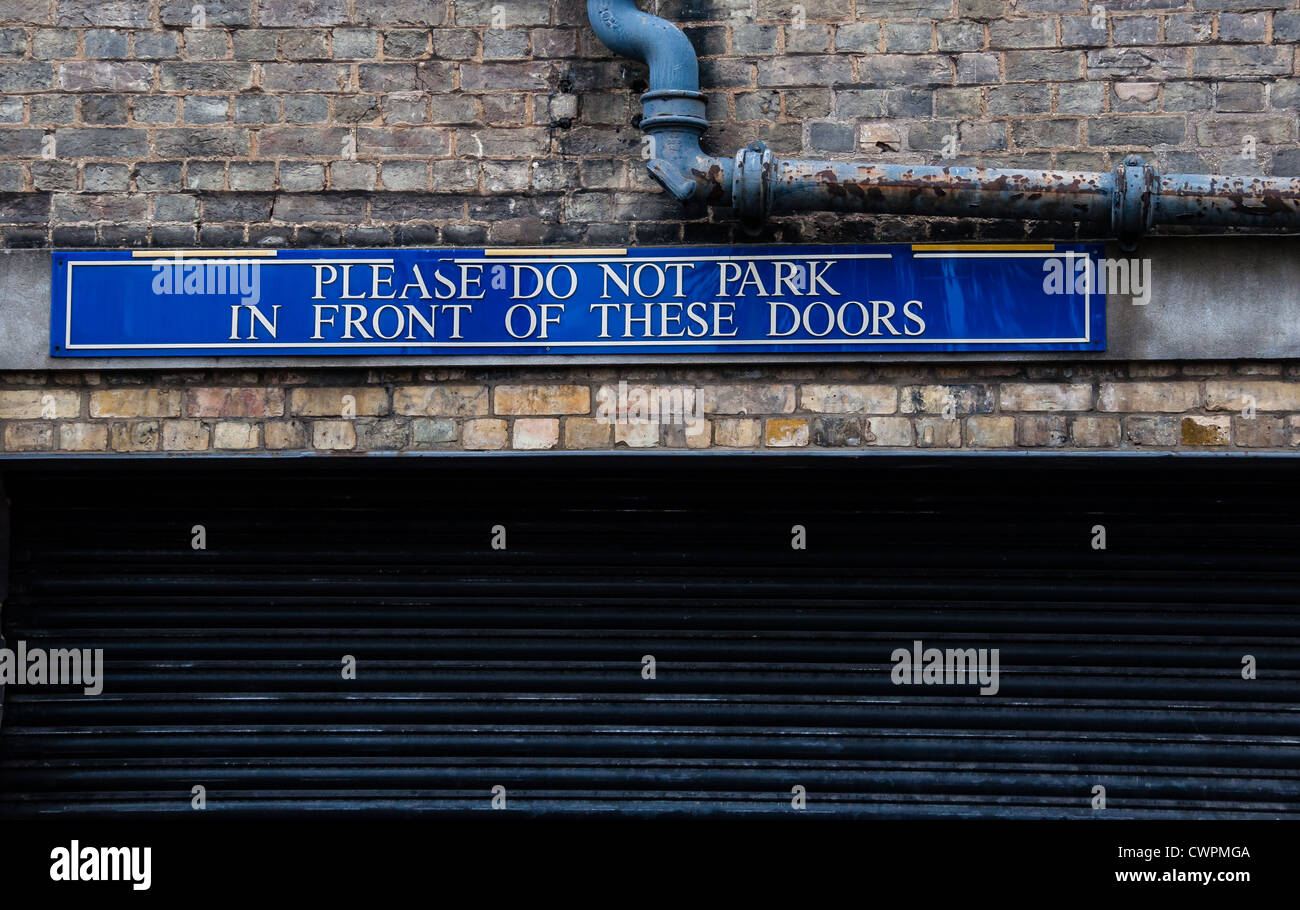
{"x": 135, "y": 403}
{"x": 37, "y": 404}
{"x": 135, "y": 436}
{"x": 28, "y": 436}
{"x": 849, "y": 399}
{"x": 1264, "y": 395}
{"x": 1206, "y": 431}
{"x": 638, "y": 434}
{"x": 333, "y": 402}
{"x": 785, "y": 433}
{"x": 586, "y": 433}
{"x": 285, "y": 434}
{"x": 241, "y": 402}
{"x": 1046, "y": 396}
{"x": 1152, "y": 397}
{"x": 441, "y": 401}
{"x": 235, "y": 434}
{"x": 184, "y": 436}
{"x": 737, "y": 433}
{"x": 484, "y": 434}
{"x": 83, "y": 437}
{"x": 991, "y": 432}
{"x": 536, "y": 433}
{"x": 547, "y": 399}
{"x": 333, "y": 435}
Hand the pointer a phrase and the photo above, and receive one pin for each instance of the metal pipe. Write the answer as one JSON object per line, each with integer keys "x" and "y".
{"x": 1126, "y": 202}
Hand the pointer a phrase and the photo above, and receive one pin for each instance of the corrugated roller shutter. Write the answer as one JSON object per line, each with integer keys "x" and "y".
{"x": 523, "y": 667}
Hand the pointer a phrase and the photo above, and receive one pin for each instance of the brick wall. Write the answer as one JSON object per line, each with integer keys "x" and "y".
{"x": 1188, "y": 406}
{"x": 324, "y": 122}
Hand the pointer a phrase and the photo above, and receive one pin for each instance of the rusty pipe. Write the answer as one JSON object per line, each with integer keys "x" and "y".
{"x": 1125, "y": 202}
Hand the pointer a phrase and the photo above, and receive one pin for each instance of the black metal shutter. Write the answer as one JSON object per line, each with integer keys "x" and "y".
{"x": 522, "y": 667}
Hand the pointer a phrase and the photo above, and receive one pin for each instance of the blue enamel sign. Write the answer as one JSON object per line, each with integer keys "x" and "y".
{"x": 696, "y": 300}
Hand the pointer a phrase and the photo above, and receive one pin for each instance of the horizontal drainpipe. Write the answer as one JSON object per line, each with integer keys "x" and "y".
{"x": 1127, "y": 201}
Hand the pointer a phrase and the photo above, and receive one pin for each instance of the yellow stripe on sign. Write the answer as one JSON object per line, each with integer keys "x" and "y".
{"x": 551, "y": 252}
{"x": 983, "y": 247}
{"x": 201, "y": 254}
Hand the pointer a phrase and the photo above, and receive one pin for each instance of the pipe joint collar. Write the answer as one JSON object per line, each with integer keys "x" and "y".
{"x": 668, "y": 108}
{"x": 1133, "y": 201}
{"x": 751, "y": 185}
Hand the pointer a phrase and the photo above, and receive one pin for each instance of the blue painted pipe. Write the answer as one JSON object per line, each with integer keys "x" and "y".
{"x": 1128, "y": 200}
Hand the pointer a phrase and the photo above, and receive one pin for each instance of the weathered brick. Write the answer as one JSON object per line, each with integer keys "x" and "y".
{"x": 546, "y": 399}
{"x": 28, "y": 436}
{"x": 954, "y": 400}
{"x": 1237, "y": 395}
{"x": 749, "y": 399}
{"x": 1041, "y": 430}
{"x": 184, "y": 436}
{"x": 894, "y": 432}
{"x": 1164, "y": 397}
{"x": 536, "y": 433}
{"x": 389, "y": 434}
{"x": 737, "y": 433}
{"x": 285, "y": 434}
{"x": 215, "y": 12}
{"x": 234, "y": 402}
{"x": 1043, "y": 66}
{"x": 1152, "y": 431}
{"x": 1135, "y": 130}
{"x": 432, "y": 431}
{"x": 1095, "y": 432}
{"x": 39, "y": 404}
{"x": 837, "y": 431}
{"x": 1205, "y": 431}
{"x": 333, "y": 435}
{"x": 991, "y": 432}
{"x": 587, "y": 433}
{"x": 1016, "y": 396}
{"x": 783, "y": 432}
{"x": 235, "y": 434}
{"x": 26, "y": 12}
{"x": 80, "y": 13}
{"x": 83, "y": 437}
{"x": 938, "y": 432}
{"x": 333, "y": 402}
{"x": 26, "y": 77}
{"x": 302, "y": 12}
{"x": 202, "y": 142}
{"x": 1241, "y": 60}
{"x": 1150, "y": 63}
{"x": 1259, "y": 432}
{"x": 135, "y": 403}
{"x": 135, "y": 436}
{"x": 205, "y": 77}
{"x": 637, "y": 434}
{"x": 449, "y": 401}
{"x": 849, "y": 399}
{"x": 484, "y": 433}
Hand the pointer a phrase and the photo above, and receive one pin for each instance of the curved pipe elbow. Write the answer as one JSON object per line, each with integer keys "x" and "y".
{"x": 673, "y": 109}
{"x": 658, "y": 43}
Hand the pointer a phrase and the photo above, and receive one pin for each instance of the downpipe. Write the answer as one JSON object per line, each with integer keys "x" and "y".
{"x": 1126, "y": 202}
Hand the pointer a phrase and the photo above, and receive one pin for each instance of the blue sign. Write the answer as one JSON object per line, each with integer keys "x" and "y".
{"x": 695, "y": 300}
